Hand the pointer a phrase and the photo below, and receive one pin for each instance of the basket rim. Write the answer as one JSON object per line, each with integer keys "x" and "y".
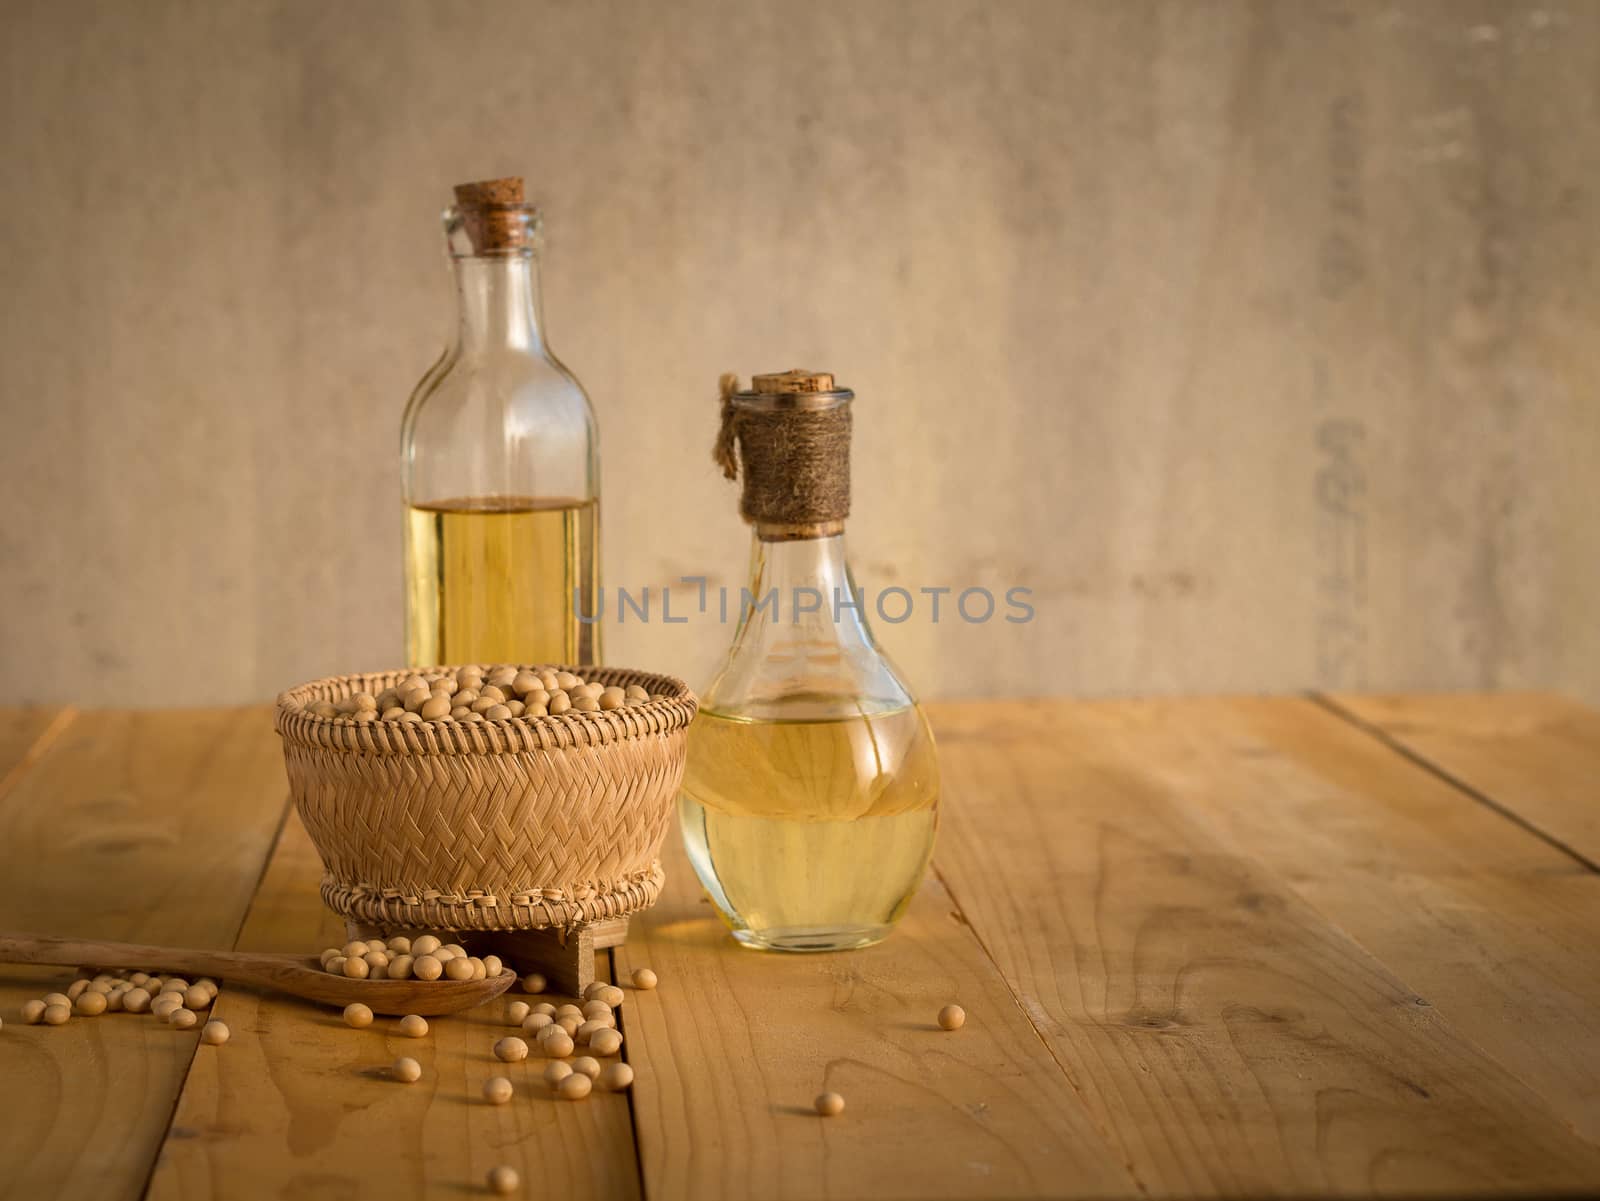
{"x": 510, "y": 735}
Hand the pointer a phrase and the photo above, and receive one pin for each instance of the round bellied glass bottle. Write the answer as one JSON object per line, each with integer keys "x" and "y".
{"x": 499, "y": 463}
{"x": 810, "y": 798}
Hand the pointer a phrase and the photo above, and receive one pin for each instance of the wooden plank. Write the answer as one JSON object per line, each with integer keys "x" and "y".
{"x": 1487, "y": 921}
{"x": 149, "y": 827}
{"x": 297, "y": 1104}
{"x": 734, "y": 1045}
{"x": 1534, "y": 754}
{"x": 24, "y": 734}
{"x": 1226, "y": 1034}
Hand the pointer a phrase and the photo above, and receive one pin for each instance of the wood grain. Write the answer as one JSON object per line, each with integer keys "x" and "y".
{"x": 24, "y": 733}
{"x": 299, "y": 1105}
{"x": 1489, "y": 924}
{"x": 1534, "y": 754}
{"x": 734, "y": 1045}
{"x": 142, "y": 826}
{"x": 1226, "y": 1034}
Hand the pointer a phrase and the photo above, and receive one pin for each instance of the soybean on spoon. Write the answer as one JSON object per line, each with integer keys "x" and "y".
{"x": 299, "y": 977}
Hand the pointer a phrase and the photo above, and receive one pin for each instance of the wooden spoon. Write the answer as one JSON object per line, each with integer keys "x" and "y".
{"x": 278, "y": 973}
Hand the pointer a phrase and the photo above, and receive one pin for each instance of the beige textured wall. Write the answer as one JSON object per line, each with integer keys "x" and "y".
{"x": 1259, "y": 339}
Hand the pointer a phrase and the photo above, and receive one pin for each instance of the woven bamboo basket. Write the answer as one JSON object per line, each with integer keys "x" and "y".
{"x": 523, "y": 824}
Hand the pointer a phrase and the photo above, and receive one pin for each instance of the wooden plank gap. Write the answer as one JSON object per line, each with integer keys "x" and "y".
{"x": 614, "y": 974}
{"x": 172, "y": 1114}
{"x": 1456, "y": 782}
{"x": 266, "y": 862}
{"x": 1077, "y": 1088}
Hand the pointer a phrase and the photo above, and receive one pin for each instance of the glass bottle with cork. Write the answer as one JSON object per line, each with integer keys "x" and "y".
{"x": 810, "y": 799}
{"x": 499, "y": 462}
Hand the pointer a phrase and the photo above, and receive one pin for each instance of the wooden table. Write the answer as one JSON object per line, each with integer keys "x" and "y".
{"x": 1316, "y": 946}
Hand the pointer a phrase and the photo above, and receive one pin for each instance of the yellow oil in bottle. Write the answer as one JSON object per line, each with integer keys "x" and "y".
{"x": 811, "y": 834}
{"x": 491, "y": 580}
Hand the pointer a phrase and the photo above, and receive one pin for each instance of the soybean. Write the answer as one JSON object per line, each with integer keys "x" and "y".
{"x": 503, "y": 1179}
{"x": 952, "y": 1017}
{"x": 214, "y": 1034}
{"x": 357, "y": 1016}
{"x": 589, "y": 1029}
{"x": 615, "y": 1077}
{"x": 497, "y": 1090}
{"x": 574, "y": 1087}
{"x": 413, "y": 1025}
{"x": 511, "y": 1050}
{"x": 407, "y": 1070}
{"x": 644, "y": 979}
{"x": 830, "y": 1105}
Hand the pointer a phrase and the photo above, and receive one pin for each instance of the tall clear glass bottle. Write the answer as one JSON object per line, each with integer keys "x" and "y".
{"x": 810, "y": 799}
{"x": 500, "y": 463}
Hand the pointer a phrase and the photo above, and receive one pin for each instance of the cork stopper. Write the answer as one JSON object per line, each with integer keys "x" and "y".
{"x": 490, "y": 191}
{"x": 792, "y": 382}
{"x": 496, "y": 216}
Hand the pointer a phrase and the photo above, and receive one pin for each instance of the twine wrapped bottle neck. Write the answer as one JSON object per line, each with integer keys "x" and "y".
{"x": 791, "y": 435}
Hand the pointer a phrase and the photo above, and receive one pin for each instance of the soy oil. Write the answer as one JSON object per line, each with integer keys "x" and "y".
{"x": 491, "y": 580}
{"x": 811, "y": 833}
